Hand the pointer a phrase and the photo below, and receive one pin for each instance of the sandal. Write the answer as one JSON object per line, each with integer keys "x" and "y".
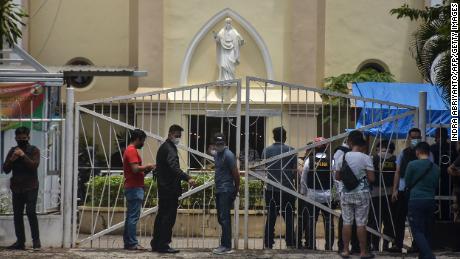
{"x": 369, "y": 256}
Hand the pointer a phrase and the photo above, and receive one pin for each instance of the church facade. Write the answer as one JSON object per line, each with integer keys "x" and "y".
{"x": 296, "y": 41}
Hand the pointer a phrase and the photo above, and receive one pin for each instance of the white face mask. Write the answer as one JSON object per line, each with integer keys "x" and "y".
{"x": 414, "y": 142}
{"x": 384, "y": 154}
{"x": 213, "y": 152}
{"x": 176, "y": 141}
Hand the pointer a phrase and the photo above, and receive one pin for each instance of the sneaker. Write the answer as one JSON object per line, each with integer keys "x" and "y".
{"x": 36, "y": 245}
{"x": 17, "y": 246}
{"x": 136, "y": 247}
{"x": 221, "y": 250}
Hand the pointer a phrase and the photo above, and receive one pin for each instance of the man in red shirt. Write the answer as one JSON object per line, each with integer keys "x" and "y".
{"x": 134, "y": 173}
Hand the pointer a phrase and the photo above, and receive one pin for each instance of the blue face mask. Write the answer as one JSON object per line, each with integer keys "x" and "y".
{"x": 414, "y": 142}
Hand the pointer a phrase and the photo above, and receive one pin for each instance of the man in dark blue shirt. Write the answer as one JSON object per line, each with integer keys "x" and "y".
{"x": 282, "y": 171}
{"x": 227, "y": 180}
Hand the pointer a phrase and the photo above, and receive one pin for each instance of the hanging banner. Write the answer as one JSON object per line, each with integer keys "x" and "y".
{"x": 21, "y": 101}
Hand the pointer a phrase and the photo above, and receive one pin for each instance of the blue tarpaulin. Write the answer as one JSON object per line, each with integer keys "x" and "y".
{"x": 402, "y": 93}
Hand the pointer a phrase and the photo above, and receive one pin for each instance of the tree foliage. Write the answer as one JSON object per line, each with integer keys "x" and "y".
{"x": 11, "y": 16}
{"x": 339, "y": 83}
{"x": 430, "y": 44}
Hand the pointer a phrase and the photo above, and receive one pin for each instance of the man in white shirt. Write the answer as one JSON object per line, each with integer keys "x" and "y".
{"x": 336, "y": 166}
{"x": 355, "y": 200}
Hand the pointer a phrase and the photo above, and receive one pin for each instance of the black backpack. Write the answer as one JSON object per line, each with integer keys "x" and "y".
{"x": 349, "y": 179}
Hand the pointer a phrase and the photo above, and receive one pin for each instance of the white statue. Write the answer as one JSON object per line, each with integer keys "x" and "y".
{"x": 228, "y": 46}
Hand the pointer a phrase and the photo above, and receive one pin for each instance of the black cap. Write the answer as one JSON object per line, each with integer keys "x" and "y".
{"x": 219, "y": 139}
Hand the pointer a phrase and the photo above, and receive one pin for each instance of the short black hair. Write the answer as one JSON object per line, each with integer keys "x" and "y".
{"x": 137, "y": 134}
{"x": 414, "y": 130}
{"x": 388, "y": 145}
{"x": 22, "y": 130}
{"x": 355, "y": 135}
{"x": 279, "y": 134}
{"x": 360, "y": 142}
{"x": 175, "y": 128}
{"x": 423, "y": 148}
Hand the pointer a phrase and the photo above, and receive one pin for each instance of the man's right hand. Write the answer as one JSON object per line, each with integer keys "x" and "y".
{"x": 453, "y": 171}
{"x": 394, "y": 196}
{"x": 149, "y": 167}
{"x": 192, "y": 182}
{"x": 13, "y": 157}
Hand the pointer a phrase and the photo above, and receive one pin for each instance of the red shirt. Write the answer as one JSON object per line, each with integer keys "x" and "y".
{"x": 132, "y": 179}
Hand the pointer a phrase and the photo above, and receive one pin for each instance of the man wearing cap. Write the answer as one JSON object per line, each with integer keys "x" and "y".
{"x": 316, "y": 184}
{"x": 227, "y": 180}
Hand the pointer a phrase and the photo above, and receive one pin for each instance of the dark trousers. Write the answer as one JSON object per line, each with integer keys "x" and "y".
{"x": 313, "y": 214}
{"x": 354, "y": 237}
{"x": 164, "y": 223}
{"x": 421, "y": 220}
{"x": 302, "y": 223}
{"x": 224, "y": 203}
{"x": 276, "y": 201}
{"x": 379, "y": 217}
{"x": 400, "y": 215}
{"x": 29, "y": 200}
{"x": 445, "y": 190}
{"x": 388, "y": 221}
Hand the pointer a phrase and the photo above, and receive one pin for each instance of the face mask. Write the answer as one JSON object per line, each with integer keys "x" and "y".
{"x": 220, "y": 148}
{"x": 414, "y": 142}
{"x": 22, "y": 143}
{"x": 176, "y": 141}
{"x": 384, "y": 154}
{"x": 213, "y": 152}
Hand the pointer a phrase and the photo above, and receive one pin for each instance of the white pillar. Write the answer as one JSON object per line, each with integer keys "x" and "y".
{"x": 422, "y": 106}
{"x": 67, "y": 195}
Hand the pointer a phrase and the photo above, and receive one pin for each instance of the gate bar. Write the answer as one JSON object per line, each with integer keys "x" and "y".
{"x": 339, "y": 136}
{"x": 321, "y": 206}
{"x": 149, "y": 134}
{"x": 144, "y": 213}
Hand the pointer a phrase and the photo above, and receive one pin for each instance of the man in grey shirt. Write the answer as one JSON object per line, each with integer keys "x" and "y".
{"x": 282, "y": 171}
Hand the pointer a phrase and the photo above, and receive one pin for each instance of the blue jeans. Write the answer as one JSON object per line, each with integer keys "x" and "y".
{"x": 224, "y": 203}
{"x": 134, "y": 198}
{"x": 421, "y": 219}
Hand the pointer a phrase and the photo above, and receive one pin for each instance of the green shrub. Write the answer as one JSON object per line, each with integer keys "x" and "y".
{"x": 99, "y": 196}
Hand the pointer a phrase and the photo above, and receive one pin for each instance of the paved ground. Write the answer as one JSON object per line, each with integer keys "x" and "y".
{"x": 188, "y": 253}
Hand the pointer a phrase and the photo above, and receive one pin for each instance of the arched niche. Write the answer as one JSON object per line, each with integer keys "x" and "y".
{"x": 199, "y": 64}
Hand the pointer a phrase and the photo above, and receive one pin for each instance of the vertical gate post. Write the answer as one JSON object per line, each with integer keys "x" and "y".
{"x": 246, "y": 166}
{"x": 68, "y": 169}
{"x": 238, "y": 148}
{"x": 422, "y": 107}
{"x": 75, "y": 175}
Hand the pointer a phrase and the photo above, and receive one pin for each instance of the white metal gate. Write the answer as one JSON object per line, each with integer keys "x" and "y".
{"x": 103, "y": 133}
{"x": 300, "y": 109}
